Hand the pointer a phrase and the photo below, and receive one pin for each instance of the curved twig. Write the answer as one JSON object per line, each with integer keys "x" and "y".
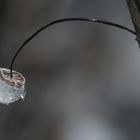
{"x": 60, "y": 21}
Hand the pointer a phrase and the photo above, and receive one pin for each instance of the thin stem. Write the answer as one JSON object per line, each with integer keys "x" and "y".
{"x": 60, "y": 21}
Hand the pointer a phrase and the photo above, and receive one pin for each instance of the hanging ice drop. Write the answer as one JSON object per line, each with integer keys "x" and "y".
{"x": 11, "y": 89}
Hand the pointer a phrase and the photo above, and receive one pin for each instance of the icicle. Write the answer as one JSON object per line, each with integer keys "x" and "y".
{"x": 11, "y": 89}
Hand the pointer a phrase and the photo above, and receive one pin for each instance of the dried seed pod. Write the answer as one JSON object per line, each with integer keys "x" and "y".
{"x": 11, "y": 89}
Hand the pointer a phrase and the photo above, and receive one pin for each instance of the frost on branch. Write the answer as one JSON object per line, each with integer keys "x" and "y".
{"x": 11, "y": 89}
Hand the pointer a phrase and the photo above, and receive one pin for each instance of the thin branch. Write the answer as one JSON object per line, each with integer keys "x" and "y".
{"x": 60, "y": 21}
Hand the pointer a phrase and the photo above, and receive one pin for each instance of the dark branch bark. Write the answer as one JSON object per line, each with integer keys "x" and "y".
{"x": 134, "y": 8}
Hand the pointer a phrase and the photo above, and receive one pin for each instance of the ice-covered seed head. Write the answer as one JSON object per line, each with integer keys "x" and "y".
{"x": 11, "y": 89}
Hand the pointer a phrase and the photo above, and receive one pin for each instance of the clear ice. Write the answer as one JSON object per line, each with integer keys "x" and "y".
{"x": 11, "y": 93}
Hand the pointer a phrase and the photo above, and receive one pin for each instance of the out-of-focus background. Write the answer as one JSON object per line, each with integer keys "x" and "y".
{"x": 83, "y": 79}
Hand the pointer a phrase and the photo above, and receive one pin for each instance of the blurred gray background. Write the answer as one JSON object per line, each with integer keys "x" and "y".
{"x": 83, "y": 79}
